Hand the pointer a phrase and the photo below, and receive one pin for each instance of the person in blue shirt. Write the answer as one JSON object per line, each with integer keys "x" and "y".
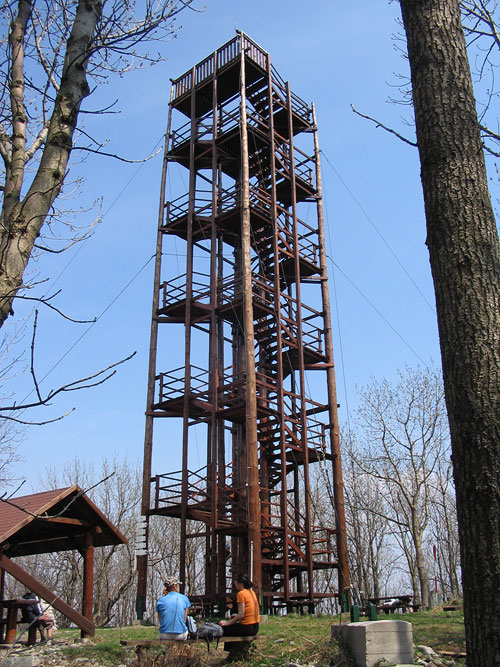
{"x": 172, "y": 610}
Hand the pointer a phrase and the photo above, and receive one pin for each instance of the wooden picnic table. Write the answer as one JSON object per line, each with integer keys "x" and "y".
{"x": 11, "y": 621}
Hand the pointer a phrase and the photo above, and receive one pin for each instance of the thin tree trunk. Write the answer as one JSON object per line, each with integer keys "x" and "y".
{"x": 465, "y": 261}
{"x": 421, "y": 572}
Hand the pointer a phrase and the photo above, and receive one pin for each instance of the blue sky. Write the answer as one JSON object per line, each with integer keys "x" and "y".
{"x": 333, "y": 54}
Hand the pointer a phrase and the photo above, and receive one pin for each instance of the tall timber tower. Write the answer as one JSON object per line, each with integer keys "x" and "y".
{"x": 241, "y": 366}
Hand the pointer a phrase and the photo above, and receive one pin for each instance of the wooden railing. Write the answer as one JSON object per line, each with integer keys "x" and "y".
{"x": 223, "y": 56}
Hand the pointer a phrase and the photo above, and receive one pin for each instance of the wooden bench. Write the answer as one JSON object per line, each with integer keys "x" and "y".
{"x": 141, "y": 644}
{"x": 10, "y": 637}
{"x": 173, "y": 642}
{"x": 11, "y": 622}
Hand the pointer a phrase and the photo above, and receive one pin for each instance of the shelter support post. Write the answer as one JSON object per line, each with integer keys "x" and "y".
{"x": 49, "y": 596}
{"x": 88, "y": 580}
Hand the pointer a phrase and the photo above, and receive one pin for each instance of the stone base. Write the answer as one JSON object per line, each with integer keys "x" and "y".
{"x": 372, "y": 641}
{"x": 21, "y": 661}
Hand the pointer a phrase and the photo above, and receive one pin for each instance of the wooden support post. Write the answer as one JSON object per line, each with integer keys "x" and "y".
{"x": 306, "y": 500}
{"x": 2, "y": 597}
{"x": 252, "y": 444}
{"x": 88, "y": 580}
{"x": 142, "y": 561}
{"x": 338, "y": 486}
{"x": 188, "y": 333}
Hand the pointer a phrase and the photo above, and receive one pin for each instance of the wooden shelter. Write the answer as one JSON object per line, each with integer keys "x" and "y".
{"x": 57, "y": 520}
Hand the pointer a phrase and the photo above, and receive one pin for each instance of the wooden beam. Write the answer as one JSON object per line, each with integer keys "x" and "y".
{"x": 66, "y": 520}
{"x": 88, "y": 581}
{"x": 39, "y": 589}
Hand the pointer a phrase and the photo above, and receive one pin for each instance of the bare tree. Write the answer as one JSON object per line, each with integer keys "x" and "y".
{"x": 9, "y": 453}
{"x": 444, "y": 532}
{"x": 55, "y": 52}
{"x": 406, "y": 431}
{"x": 464, "y": 254}
{"x": 371, "y": 552}
{"x": 481, "y": 23}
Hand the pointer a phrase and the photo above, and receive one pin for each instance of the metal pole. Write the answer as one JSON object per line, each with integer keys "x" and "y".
{"x": 338, "y": 486}
{"x": 142, "y": 561}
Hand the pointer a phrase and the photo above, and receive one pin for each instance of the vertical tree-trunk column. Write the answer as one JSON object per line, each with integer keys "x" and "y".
{"x": 252, "y": 445}
{"x": 465, "y": 260}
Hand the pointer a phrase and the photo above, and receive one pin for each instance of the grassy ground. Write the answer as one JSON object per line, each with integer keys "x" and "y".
{"x": 304, "y": 639}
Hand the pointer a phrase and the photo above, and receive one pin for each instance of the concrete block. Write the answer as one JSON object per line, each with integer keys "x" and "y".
{"x": 371, "y": 641}
{"x": 14, "y": 660}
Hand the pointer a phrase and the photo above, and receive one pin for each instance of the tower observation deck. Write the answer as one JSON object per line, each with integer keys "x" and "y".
{"x": 241, "y": 357}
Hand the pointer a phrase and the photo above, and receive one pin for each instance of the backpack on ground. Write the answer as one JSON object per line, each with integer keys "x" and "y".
{"x": 192, "y": 628}
{"x": 210, "y": 632}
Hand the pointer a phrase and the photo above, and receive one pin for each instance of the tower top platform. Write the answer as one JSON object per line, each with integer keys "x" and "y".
{"x": 224, "y": 63}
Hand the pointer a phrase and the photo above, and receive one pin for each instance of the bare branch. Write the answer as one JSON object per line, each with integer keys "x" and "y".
{"x": 114, "y": 155}
{"x": 45, "y": 302}
{"x": 32, "y": 366}
{"x": 491, "y": 135}
{"x": 5, "y": 148}
{"x": 82, "y": 383}
{"x": 31, "y": 423}
{"x": 384, "y": 127}
{"x": 15, "y": 490}
{"x": 38, "y": 143}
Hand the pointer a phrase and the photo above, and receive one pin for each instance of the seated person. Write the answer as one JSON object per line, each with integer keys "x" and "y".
{"x": 31, "y": 613}
{"x": 47, "y": 621}
{"x": 245, "y": 622}
{"x": 172, "y": 610}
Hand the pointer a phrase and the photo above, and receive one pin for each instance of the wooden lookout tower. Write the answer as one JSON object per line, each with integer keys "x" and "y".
{"x": 241, "y": 359}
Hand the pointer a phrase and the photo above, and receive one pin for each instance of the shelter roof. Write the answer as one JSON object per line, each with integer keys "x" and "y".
{"x": 56, "y": 520}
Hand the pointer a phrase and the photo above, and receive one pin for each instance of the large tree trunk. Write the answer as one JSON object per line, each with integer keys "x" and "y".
{"x": 465, "y": 260}
{"x": 22, "y": 217}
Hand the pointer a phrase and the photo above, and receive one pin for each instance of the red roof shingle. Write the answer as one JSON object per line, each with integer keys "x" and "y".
{"x": 52, "y": 521}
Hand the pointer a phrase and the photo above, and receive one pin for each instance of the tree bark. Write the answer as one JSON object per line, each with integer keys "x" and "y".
{"x": 421, "y": 571}
{"x": 22, "y": 217}
{"x": 465, "y": 261}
